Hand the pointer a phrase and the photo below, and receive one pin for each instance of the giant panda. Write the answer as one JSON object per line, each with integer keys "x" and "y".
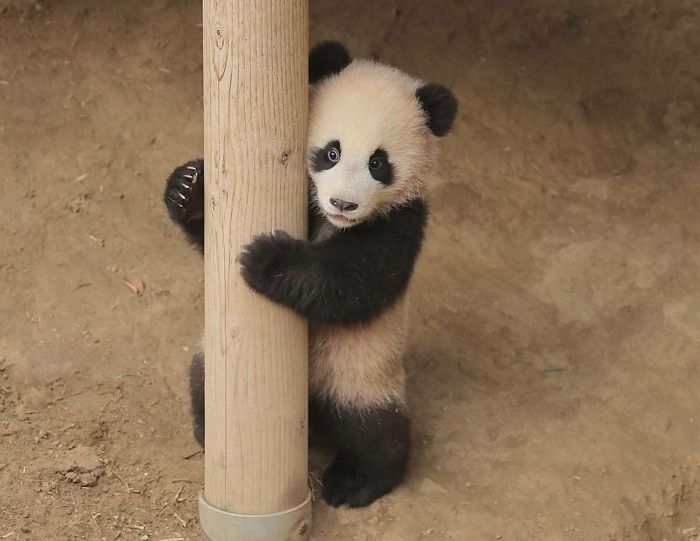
{"x": 372, "y": 132}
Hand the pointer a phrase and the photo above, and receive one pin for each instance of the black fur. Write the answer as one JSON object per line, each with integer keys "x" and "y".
{"x": 327, "y": 58}
{"x": 385, "y": 172}
{"x": 372, "y": 451}
{"x": 184, "y": 199}
{"x": 439, "y": 105}
{"x": 197, "y": 395}
{"x": 319, "y": 157}
{"x": 349, "y": 278}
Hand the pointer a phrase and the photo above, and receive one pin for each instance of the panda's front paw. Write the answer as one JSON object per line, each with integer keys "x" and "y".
{"x": 267, "y": 261}
{"x": 184, "y": 192}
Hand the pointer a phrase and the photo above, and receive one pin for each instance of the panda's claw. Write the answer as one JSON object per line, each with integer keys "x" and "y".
{"x": 184, "y": 192}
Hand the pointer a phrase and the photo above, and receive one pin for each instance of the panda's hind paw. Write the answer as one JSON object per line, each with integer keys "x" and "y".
{"x": 346, "y": 484}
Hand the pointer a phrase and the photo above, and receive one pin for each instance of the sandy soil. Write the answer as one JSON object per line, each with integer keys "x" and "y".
{"x": 556, "y": 324}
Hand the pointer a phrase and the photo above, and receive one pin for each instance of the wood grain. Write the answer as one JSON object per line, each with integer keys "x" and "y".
{"x": 255, "y": 116}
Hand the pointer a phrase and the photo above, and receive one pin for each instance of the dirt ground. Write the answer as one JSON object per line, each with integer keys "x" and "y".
{"x": 554, "y": 365}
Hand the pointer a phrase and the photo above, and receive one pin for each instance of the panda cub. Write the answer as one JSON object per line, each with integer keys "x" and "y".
{"x": 371, "y": 139}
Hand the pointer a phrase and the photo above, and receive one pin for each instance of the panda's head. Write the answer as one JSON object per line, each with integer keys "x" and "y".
{"x": 371, "y": 134}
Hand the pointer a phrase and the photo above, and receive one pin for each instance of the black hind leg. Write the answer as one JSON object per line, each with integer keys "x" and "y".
{"x": 197, "y": 395}
{"x": 372, "y": 451}
{"x": 184, "y": 199}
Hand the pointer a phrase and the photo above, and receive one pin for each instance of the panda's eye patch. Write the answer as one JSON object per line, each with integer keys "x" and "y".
{"x": 380, "y": 167}
{"x": 326, "y": 157}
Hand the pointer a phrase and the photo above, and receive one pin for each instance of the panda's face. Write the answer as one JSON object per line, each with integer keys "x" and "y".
{"x": 351, "y": 184}
{"x": 368, "y": 142}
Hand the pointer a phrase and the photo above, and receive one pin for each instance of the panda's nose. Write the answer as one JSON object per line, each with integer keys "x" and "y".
{"x": 343, "y": 205}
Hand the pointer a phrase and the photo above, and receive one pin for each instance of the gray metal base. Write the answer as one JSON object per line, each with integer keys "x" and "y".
{"x": 219, "y": 525}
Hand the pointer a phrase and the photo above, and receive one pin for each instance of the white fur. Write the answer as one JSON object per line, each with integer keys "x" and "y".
{"x": 361, "y": 366}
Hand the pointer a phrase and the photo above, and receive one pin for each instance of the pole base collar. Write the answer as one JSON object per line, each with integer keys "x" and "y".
{"x": 291, "y": 525}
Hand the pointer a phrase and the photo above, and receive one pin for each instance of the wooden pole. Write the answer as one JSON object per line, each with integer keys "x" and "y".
{"x": 255, "y": 117}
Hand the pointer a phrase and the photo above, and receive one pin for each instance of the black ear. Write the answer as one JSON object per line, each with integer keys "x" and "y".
{"x": 327, "y": 58}
{"x": 440, "y": 106}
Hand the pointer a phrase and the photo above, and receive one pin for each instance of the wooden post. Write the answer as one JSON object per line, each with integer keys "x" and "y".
{"x": 255, "y": 117}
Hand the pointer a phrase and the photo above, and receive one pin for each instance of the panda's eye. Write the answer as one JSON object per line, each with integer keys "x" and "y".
{"x": 325, "y": 157}
{"x": 380, "y": 167}
{"x": 333, "y": 154}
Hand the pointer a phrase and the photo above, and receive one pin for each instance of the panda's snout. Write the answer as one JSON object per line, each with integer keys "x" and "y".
{"x": 343, "y": 206}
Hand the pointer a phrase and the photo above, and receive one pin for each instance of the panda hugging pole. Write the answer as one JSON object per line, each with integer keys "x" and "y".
{"x": 255, "y": 117}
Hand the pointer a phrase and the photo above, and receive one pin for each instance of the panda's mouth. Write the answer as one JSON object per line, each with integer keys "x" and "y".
{"x": 340, "y": 219}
